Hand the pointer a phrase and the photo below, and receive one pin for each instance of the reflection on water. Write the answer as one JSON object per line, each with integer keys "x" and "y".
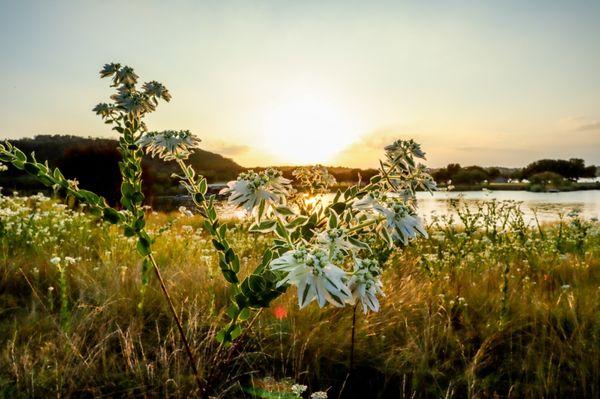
{"x": 547, "y": 206}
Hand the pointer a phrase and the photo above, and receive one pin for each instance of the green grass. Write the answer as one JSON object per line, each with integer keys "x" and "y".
{"x": 496, "y": 309}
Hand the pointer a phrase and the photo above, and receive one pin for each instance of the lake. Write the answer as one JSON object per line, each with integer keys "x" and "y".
{"x": 548, "y": 206}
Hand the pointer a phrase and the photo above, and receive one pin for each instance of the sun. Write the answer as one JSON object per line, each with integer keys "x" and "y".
{"x": 308, "y": 129}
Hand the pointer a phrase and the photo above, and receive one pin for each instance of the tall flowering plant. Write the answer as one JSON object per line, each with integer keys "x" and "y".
{"x": 331, "y": 250}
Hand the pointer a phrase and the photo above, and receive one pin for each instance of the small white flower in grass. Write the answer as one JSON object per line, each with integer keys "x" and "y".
{"x": 55, "y": 260}
{"x": 318, "y": 395}
{"x": 3, "y": 167}
{"x": 251, "y": 188}
{"x": 298, "y": 389}
{"x": 314, "y": 275}
{"x": 70, "y": 260}
{"x": 366, "y": 284}
{"x": 169, "y": 144}
{"x": 401, "y": 222}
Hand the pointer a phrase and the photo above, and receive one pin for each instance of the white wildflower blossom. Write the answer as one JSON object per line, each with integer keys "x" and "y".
{"x": 298, "y": 389}
{"x": 366, "y": 284}
{"x": 251, "y": 188}
{"x": 401, "y": 222}
{"x": 169, "y": 144}
{"x": 318, "y": 395}
{"x": 314, "y": 275}
{"x": 335, "y": 239}
{"x": 55, "y": 260}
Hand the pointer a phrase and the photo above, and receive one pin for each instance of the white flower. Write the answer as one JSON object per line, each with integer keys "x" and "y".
{"x": 169, "y": 144}
{"x": 314, "y": 276}
{"x": 404, "y": 148}
{"x": 367, "y": 201}
{"x": 335, "y": 239}
{"x": 3, "y": 167}
{"x": 157, "y": 90}
{"x": 401, "y": 222}
{"x": 318, "y": 395}
{"x": 251, "y": 188}
{"x": 70, "y": 260}
{"x": 366, "y": 284}
{"x": 55, "y": 260}
{"x": 298, "y": 389}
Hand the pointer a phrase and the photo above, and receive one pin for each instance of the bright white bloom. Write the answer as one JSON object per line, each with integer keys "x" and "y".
{"x": 315, "y": 276}
{"x": 169, "y": 144}
{"x": 70, "y": 260}
{"x": 367, "y": 201}
{"x": 366, "y": 284}
{"x": 404, "y": 149}
{"x": 318, "y": 395}
{"x": 3, "y": 167}
{"x": 335, "y": 239}
{"x": 298, "y": 389}
{"x": 401, "y": 222}
{"x": 251, "y": 188}
{"x": 55, "y": 260}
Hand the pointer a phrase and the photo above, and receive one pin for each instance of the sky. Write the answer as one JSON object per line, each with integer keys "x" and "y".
{"x": 297, "y": 82}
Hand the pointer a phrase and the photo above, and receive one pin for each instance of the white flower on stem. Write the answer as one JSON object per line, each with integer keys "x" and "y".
{"x": 252, "y": 188}
{"x": 368, "y": 201}
{"x": 3, "y": 167}
{"x": 315, "y": 277}
{"x": 55, "y": 260}
{"x": 366, "y": 284}
{"x": 169, "y": 144}
{"x": 158, "y": 90}
{"x": 401, "y": 222}
{"x": 405, "y": 148}
{"x": 298, "y": 389}
{"x": 318, "y": 395}
{"x": 336, "y": 239}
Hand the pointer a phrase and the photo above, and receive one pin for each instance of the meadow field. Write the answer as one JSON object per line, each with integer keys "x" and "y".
{"x": 488, "y": 306}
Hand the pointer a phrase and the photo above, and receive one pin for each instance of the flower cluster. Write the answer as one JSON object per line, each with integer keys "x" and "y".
{"x": 315, "y": 179}
{"x": 128, "y": 99}
{"x": 253, "y": 188}
{"x": 366, "y": 284}
{"x": 315, "y": 276}
{"x": 169, "y": 144}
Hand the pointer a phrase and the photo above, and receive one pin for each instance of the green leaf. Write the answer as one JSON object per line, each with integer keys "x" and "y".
{"x": 203, "y": 187}
{"x": 264, "y": 226}
{"x": 143, "y": 246}
{"x": 218, "y": 246}
{"x": 332, "y": 223}
{"x": 257, "y": 283}
{"x": 31, "y": 168}
{"x": 20, "y": 155}
{"x": 111, "y": 215}
{"x": 284, "y": 211}
{"x": 298, "y": 221}
{"x": 230, "y": 276}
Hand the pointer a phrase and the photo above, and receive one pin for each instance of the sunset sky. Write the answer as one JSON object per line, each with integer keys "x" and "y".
{"x": 291, "y": 82}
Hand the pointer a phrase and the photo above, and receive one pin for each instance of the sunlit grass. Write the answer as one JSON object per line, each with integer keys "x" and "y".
{"x": 472, "y": 312}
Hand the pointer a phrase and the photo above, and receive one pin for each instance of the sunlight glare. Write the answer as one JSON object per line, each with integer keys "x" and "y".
{"x": 308, "y": 129}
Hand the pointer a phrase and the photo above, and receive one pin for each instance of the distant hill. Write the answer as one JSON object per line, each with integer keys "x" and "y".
{"x": 94, "y": 162}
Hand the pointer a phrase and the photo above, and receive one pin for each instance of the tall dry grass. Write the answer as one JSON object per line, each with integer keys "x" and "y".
{"x": 474, "y": 312}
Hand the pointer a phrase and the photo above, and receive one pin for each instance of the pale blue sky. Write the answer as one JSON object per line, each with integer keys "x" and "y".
{"x": 492, "y": 83}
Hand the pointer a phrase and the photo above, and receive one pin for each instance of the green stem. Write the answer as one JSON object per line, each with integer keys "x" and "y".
{"x": 186, "y": 344}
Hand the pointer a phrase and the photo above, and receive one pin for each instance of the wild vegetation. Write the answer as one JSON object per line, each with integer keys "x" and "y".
{"x": 75, "y": 306}
{"x": 487, "y": 306}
